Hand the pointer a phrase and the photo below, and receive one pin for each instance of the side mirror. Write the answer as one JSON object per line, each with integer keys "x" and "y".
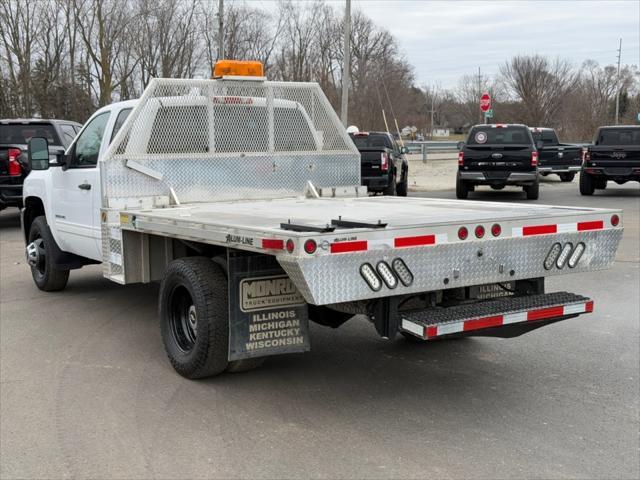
{"x": 539, "y": 144}
{"x": 460, "y": 145}
{"x": 404, "y": 150}
{"x": 38, "y": 155}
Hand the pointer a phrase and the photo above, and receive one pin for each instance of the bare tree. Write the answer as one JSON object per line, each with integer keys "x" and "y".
{"x": 540, "y": 84}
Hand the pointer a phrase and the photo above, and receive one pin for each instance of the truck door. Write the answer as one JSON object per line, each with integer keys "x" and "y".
{"x": 76, "y": 193}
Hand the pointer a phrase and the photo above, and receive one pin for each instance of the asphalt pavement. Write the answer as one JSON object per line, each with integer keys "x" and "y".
{"x": 86, "y": 390}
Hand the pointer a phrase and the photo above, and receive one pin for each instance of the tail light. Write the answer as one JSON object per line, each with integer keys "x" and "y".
{"x": 534, "y": 159}
{"x": 460, "y": 158}
{"x": 463, "y": 233}
{"x": 496, "y": 230}
{"x": 479, "y": 231}
{"x": 615, "y": 220}
{"x": 14, "y": 167}
{"x": 310, "y": 246}
{"x": 384, "y": 161}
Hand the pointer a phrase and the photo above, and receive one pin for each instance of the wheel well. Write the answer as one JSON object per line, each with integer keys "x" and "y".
{"x": 33, "y": 208}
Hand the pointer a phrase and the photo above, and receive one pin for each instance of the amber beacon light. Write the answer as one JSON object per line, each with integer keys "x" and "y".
{"x": 239, "y": 68}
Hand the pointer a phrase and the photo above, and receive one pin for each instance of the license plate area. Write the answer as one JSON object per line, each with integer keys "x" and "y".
{"x": 492, "y": 290}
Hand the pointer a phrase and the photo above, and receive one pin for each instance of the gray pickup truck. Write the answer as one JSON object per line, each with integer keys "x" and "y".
{"x": 562, "y": 159}
{"x": 14, "y": 136}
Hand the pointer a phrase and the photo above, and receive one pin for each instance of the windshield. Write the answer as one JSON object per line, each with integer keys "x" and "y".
{"x": 548, "y": 137}
{"x": 499, "y": 136}
{"x": 21, "y": 133}
{"x": 618, "y": 136}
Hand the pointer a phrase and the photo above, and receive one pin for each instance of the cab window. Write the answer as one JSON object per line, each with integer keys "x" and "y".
{"x": 88, "y": 144}
{"x": 122, "y": 116}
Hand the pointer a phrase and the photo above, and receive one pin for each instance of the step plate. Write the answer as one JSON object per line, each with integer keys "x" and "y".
{"x": 432, "y": 323}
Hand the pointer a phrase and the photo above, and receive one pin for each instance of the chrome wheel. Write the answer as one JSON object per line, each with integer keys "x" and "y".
{"x": 36, "y": 256}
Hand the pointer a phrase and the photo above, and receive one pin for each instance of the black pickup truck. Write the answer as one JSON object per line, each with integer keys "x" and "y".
{"x": 562, "y": 159}
{"x": 384, "y": 166}
{"x": 614, "y": 156}
{"x": 14, "y": 136}
{"x": 498, "y": 155}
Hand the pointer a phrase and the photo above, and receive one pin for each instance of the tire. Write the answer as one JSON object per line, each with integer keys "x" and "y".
{"x": 194, "y": 317}
{"x": 462, "y": 189}
{"x": 533, "y": 191}
{"x": 391, "y": 188}
{"x": 40, "y": 251}
{"x": 567, "y": 177}
{"x": 403, "y": 187}
{"x": 587, "y": 186}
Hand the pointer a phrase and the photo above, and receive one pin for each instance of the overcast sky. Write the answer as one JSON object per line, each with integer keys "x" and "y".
{"x": 446, "y": 39}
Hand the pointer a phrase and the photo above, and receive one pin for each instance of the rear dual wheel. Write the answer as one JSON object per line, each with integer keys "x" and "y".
{"x": 194, "y": 319}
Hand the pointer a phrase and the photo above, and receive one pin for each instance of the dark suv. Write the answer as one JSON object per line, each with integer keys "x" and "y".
{"x": 384, "y": 168}
{"x": 497, "y": 156}
{"x": 14, "y": 136}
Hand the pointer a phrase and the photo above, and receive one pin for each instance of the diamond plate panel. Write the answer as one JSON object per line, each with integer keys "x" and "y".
{"x": 215, "y": 140}
{"x": 336, "y": 278}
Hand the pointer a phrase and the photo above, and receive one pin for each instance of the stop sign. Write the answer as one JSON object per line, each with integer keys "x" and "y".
{"x": 485, "y": 102}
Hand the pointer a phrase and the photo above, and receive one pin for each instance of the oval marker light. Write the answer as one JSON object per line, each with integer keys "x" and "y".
{"x": 577, "y": 253}
{"x": 403, "y": 272}
{"x": 384, "y": 270}
{"x": 564, "y": 255}
{"x": 552, "y": 256}
{"x": 369, "y": 274}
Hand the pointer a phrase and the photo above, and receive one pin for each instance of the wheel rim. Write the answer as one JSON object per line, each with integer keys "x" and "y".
{"x": 183, "y": 319}
{"x": 37, "y": 257}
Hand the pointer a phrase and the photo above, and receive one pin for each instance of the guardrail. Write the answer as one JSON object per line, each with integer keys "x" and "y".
{"x": 430, "y": 146}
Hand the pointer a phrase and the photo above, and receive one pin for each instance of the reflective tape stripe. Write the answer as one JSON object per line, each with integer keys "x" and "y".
{"x": 345, "y": 247}
{"x": 272, "y": 244}
{"x": 514, "y": 318}
{"x": 595, "y": 225}
{"x": 486, "y": 322}
{"x": 543, "y": 313}
{"x": 567, "y": 227}
{"x": 401, "y": 242}
{"x": 539, "y": 230}
{"x": 412, "y": 327}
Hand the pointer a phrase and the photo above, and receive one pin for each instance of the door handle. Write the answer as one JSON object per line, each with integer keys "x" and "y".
{"x": 84, "y": 186}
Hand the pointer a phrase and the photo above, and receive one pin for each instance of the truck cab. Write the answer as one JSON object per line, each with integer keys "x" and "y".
{"x": 498, "y": 155}
{"x": 69, "y": 192}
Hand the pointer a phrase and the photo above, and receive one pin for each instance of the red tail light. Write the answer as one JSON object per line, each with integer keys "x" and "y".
{"x": 496, "y": 230}
{"x": 534, "y": 159}
{"x": 463, "y": 233}
{"x": 460, "y": 158}
{"x": 14, "y": 167}
{"x": 310, "y": 246}
{"x": 479, "y": 231}
{"x": 384, "y": 161}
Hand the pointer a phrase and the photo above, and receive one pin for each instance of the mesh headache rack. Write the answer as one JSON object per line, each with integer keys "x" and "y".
{"x": 211, "y": 140}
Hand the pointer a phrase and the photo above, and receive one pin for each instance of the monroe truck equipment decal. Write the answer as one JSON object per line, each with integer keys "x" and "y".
{"x": 267, "y": 313}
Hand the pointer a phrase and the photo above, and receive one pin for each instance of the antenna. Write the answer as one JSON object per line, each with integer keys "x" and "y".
{"x": 618, "y": 84}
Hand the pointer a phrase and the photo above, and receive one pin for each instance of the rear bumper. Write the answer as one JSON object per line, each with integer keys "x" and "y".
{"x": 614, "y": 173}
{"x": 376, "y": 183}
{"x": 559, "y": 168}
{"x": 506, "y": 317}
{"x": 10, "y": 195}
{"x": 514, "y": 178}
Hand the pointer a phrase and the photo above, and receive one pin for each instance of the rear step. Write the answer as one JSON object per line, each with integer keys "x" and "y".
{"x": 492, "y": 316}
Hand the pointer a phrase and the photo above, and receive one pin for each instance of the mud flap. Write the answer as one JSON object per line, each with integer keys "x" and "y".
{"x": 267, "y": 313}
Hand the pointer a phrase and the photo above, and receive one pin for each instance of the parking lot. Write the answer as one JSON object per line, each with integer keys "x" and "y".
{"x": 87, "y": 390}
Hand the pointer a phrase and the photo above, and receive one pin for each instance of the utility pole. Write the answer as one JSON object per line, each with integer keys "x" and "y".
{"x": 479, "y": 91}
{"x": 618, "y": 84}
{"x": 433, "y": 101}
{"x": 346, "y": 65}
{"x": 220, "y": 29}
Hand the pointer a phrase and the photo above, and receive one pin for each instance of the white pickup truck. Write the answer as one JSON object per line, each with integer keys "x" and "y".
{"x": 243, "y": 197}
